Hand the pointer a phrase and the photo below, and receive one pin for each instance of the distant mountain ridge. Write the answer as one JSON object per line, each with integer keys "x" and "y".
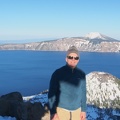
{"x": 92, "y": 42}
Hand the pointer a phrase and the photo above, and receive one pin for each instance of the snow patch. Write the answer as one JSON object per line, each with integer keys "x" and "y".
{"x": 94, "y": 35}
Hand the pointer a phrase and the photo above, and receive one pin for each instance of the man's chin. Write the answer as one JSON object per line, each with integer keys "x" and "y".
{"x": 72, "y": 66}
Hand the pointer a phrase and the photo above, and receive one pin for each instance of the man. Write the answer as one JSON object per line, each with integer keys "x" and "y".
{"x": 67, "y": 90}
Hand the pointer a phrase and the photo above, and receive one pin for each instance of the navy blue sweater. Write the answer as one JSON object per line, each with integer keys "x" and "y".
{"x": 67, "y": 89}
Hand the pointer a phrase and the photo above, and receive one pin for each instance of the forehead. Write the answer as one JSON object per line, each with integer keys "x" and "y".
{"x": 73, "y": 54}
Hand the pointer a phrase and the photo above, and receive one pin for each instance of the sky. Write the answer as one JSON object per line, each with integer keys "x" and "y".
{"x": 50, "y": 19}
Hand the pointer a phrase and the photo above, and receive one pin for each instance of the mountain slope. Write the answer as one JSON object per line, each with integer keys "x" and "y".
{"x": 97, "y": 35}
{"x": 98, "y": 43}
{"x": 103, "y": 90}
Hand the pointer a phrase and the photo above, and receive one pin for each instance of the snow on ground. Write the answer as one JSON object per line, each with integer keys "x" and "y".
{"x": 7, "y": 118}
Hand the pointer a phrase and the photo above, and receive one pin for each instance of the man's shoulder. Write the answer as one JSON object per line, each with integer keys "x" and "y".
{"x": 60, "y": 69}
{"x": 80, "y": 71}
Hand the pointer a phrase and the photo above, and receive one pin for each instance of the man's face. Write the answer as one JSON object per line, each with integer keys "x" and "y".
{"x": 72, "y": 59}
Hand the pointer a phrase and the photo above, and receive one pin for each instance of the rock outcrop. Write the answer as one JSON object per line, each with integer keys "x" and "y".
{"x": 12, "y": 104}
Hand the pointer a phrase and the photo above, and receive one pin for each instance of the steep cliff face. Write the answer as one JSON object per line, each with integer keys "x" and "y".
{"x": 92, "y": 42}
{"x": 103, "y": 90}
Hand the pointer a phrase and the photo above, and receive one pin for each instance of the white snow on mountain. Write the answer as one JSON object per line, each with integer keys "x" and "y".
{"x": 94, "y": 35}
{"x": 103, "y": 90}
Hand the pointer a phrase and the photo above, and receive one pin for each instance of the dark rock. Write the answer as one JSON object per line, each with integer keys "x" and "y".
{"x": 12, "y": 96}
{"x": 12, "y": 104}
{"x": 4, "y": 107}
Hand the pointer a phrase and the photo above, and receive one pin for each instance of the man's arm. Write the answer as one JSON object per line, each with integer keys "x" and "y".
{"x": 83, "y": 104}
{"x": 52, "y": 93}
{"x": 54, "y": 117}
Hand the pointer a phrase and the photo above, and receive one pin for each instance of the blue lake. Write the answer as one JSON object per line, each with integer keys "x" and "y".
{"x": 29, "y": 72}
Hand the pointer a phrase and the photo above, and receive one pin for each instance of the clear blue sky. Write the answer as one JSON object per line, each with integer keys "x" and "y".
{"x": 35, "y": 19}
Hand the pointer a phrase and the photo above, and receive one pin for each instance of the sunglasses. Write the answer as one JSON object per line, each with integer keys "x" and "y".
{"x": 71, "y": 57}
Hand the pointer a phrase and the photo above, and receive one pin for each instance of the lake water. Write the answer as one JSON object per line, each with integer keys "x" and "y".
{"x": 29, "y": 72}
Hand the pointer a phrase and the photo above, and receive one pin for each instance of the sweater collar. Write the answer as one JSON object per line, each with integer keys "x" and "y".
{"x": 70, "y": 68}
